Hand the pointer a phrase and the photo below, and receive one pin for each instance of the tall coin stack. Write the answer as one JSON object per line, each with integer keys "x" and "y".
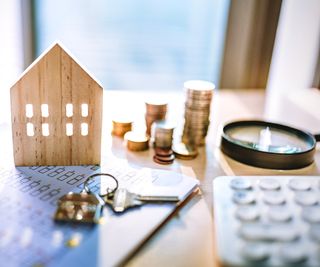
{"x": 154, "y": 111}
{"x": 197, "y": 111}
{"x": 162, "y": 134}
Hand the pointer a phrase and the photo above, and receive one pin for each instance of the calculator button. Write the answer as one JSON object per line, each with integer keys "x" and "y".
{"x": 279, "y": 214}
{"x": 241, "y": 184}
{"x": 255, "y": 252}
{"x": 243, "y": 198}
{"x": 315, "y": 233}
{"x": 311, "y": 214}
{"x": 293, "y": 253}
{"x": 269, "y": 184}
{"x": 306, "y": 198}
{"x": 283, "y": 233}
{"x": 274, "y": 198}
{"x": 248, "y": 213}
{"x": 268, "y": 232}
{"x": 300, "y": 184}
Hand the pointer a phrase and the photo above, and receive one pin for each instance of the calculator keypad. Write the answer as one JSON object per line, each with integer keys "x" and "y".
{"x": 267, "y": 220}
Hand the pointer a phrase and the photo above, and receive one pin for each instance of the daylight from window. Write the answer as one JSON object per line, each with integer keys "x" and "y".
{"x": 140, "y": 44}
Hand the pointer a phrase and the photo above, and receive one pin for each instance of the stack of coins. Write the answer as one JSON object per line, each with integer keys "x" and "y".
{"x": 137, "y": 141}
{"x": 197, "y": 111}
{"x": 120, "y": 127}
{"x": 163, "y": 156}
{"x": 162, "y": 134}
{"x": 154, "y": 111}
{"x": 183, "y": 151}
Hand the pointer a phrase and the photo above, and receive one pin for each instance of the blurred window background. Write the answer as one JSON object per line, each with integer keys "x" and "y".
{"x": 137, "y": 44}
{"x": 157, "y": 45}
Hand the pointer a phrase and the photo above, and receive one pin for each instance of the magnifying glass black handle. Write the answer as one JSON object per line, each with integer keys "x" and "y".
{"x": 317, "y": 137}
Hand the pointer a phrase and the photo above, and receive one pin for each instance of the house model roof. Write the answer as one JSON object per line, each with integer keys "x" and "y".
{"x": 56, "y": 111}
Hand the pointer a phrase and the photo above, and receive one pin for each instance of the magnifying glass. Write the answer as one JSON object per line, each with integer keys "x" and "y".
{"x": 268, "y": 145}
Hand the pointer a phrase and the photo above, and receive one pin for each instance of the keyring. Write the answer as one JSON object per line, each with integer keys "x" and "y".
{"x": 109, "y": 191}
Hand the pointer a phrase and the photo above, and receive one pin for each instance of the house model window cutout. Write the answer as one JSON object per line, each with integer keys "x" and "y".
{"x": 56, "y": 112}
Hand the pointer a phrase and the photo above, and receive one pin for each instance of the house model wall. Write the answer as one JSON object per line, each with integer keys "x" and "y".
{"x": 56, "y": 111}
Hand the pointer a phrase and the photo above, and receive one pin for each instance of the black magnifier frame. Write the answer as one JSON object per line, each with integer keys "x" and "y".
{"x": 266, "y": 159}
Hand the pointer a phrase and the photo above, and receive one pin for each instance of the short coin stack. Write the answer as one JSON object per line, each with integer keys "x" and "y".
{"x": 154, "y": 111}
{"x": 137, "y": 141}
{"x": 163, "y": 133}
{"x": 197, "y": 111}
{"x": 120, "y": 127}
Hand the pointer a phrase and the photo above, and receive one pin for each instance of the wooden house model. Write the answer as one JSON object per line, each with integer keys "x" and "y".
{"x": 56, "y": 112}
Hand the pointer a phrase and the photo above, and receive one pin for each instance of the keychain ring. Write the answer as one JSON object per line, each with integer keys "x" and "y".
{"x": 109, "y": 191}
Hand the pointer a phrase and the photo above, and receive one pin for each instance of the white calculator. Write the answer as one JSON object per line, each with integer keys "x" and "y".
{"x": 267, "y": 220}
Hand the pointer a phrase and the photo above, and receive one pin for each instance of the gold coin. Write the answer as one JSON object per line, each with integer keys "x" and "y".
{"x": 184, "y": 151}
{"x": 155, "y": 107}
{"x": 137, "y": 141}
{"x": 162, "y": 162}
{"x": 164, "y": 126}
{"x": 193, "y": 142}
{"x": 122, "y": 122}
{"x": 199, "y": 87}
{"x": 156, "y": 103}
{"x": 121, "y": 126}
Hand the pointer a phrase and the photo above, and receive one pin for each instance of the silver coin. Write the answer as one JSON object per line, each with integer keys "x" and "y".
{"x": 163, "y": 131}
{"x": 197, "y": 111}
{"x": 196, "y": 142}
{"x": 198, "y": 100}
{"x": 198, "y": 94}
{"x": 195, "y": 134}
{"x": 196, "y": 108}
{"x": 196, "y": 117}
{"x": 192, "y": 128}
{"x": 196, "y": 123}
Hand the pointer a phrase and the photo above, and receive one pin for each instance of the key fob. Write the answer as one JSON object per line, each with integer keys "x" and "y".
{"x": 79, "y": 208}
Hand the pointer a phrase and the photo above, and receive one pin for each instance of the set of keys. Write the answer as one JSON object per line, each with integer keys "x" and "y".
{"x": 86, "y": 207}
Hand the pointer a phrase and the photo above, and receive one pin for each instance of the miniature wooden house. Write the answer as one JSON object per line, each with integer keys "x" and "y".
{"x": 56, "y": 112}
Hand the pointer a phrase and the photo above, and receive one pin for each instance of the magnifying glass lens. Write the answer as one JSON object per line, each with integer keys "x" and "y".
{"x": 268, "y": 139}
{"x": 268, "y": 145}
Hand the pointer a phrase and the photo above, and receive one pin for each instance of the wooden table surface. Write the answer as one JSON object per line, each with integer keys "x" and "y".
{"x": 188, "y": 238}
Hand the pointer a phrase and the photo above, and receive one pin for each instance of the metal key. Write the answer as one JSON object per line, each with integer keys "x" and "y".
{"x": 124, "y": 199}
